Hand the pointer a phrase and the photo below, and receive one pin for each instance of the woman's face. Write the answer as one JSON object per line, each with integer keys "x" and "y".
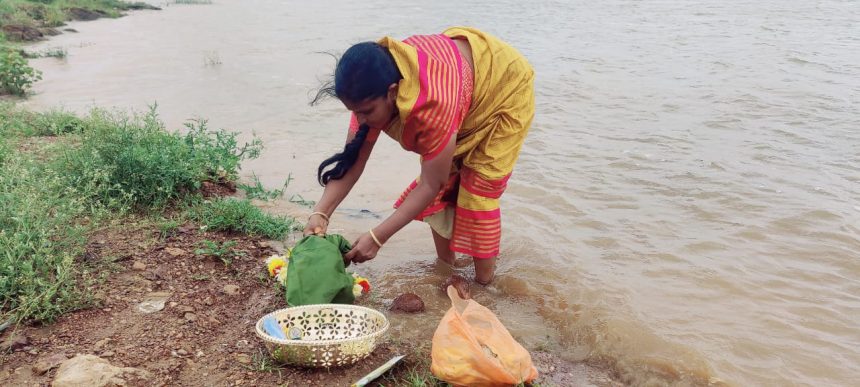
{"x": 375, "y": 112}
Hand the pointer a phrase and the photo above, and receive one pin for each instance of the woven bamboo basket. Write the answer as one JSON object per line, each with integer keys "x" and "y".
{"x": 325, "y": 335}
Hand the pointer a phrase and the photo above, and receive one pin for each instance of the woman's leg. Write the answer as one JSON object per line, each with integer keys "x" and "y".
{"x": 485, "y": 270}
{"x": 442, "y": 250}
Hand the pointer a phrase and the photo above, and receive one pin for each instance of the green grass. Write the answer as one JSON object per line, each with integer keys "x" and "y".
{"x": 62, "y": 177}
{"x": 255, "y": 190}
{"x": 223, "y": 251}
{"x": 236, "y": 215}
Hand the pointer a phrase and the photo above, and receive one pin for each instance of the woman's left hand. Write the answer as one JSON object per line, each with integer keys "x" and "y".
{"x": 364, "y": 249}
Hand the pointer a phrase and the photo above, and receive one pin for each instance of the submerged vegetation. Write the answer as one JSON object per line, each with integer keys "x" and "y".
{"x": 63, "y": 176}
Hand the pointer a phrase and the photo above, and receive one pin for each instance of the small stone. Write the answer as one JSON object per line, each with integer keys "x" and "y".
{"x": 107, "y": 309}
{"x": 101, "y": 343}
{"x": 243, "y": 358}
{"x": 200, "y": 354}
{"x": 107, "y": 354}
{"x": 173, "y": 304}
{"x": 408, "y": 302}
{"x": 139, "y": 266}
{"x": 208, "y": 301}
{"x": 33, "y": 351}
{"x": 231, "y": 290}
{"x": 182, "y": 352}
{"x": 186, "y": 309}
{"x": 190, "y": 316}
{"x": 13, "y": 342}
{"x": 173, "y": 251}
{"x": 48, "y": 363}
{"x": 153, "y": 302}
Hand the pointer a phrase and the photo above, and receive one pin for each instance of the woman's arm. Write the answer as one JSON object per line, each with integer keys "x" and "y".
{"x": 434, "y": 175}
{"x": 336, "y": 190}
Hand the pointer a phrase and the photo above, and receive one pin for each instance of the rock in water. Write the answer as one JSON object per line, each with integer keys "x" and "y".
{"x": 89, "y": 370}
{"x": 459, "y": 283}
{"x": 409, "y": 303}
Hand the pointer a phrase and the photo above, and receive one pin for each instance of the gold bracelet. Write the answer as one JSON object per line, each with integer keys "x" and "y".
{"x": 375, "y": 239}
{"x": 320, "y": 214}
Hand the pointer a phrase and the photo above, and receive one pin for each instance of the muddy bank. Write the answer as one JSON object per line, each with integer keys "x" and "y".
{"x": 38, "y": 25}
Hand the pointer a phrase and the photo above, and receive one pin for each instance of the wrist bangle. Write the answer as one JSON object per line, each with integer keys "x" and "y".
{"x": 375, "y": 239}
{"x": 324, "y": 216}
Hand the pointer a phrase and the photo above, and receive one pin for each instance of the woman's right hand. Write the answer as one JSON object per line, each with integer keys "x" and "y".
{"x": 317, "y": 225}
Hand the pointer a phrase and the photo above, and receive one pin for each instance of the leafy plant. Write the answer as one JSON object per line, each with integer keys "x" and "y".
{"x": 16, "y": 75}
{"x": 166, "y": 228}
{"x": 136, "y": 162}
{"x": 223, "y": 251}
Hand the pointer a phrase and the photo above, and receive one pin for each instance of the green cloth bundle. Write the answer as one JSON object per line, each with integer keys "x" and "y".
{"x": 316, "y": 273}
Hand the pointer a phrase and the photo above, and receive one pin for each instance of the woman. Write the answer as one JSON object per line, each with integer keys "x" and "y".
{"x": 463, "y": 100}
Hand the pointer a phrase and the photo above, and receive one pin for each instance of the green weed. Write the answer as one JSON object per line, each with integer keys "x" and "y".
{"x": 223, "y": 251}
{"x": 298, "y": 199}
{"x": 229, "y": 214}
{"x": 25, "y": 123}
{"x": 257, "y": 191}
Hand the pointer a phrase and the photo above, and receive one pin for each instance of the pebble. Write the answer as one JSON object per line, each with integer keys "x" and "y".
{"x": 231, "y": 290}
{"x": 190, "y": 316}
{"x": 243, "y": 358}
{"x": 182, "y": 352}
{"x": 107, "y": 354}
{"x": 139, "y": 266}
{"x": 13, "y": 342}
{"x": 186, "y": 309}
{"x": 174, "y": 251}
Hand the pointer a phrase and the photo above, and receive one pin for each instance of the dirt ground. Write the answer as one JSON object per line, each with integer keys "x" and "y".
{"x": 204, "y": 336}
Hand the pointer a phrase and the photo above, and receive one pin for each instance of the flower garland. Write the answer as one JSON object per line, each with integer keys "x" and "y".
{"x": 276, "y": 265}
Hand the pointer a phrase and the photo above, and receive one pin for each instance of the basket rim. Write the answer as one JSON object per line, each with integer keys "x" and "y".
{"x": 313, "y": 343}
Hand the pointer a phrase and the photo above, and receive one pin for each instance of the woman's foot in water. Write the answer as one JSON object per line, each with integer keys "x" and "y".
{"x": 443, "y": 252}
{"x": 485, "y": 270}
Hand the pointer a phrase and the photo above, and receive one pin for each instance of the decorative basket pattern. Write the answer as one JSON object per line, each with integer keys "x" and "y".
{"x": 325, "y": 335}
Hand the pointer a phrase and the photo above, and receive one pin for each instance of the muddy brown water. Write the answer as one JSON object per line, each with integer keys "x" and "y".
{"x": 686, "y": 207}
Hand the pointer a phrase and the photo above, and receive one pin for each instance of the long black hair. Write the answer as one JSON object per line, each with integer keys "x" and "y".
{"x": 365, "y": 71}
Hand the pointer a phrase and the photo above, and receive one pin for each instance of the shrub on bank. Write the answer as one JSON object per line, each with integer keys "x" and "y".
{"x": 134, "y": 161}
{"x": 54, "y": 191}
{"x": 16, "y": 75}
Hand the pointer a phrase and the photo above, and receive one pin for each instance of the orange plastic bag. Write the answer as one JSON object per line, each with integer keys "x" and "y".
{"x": 471, "y": 347}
